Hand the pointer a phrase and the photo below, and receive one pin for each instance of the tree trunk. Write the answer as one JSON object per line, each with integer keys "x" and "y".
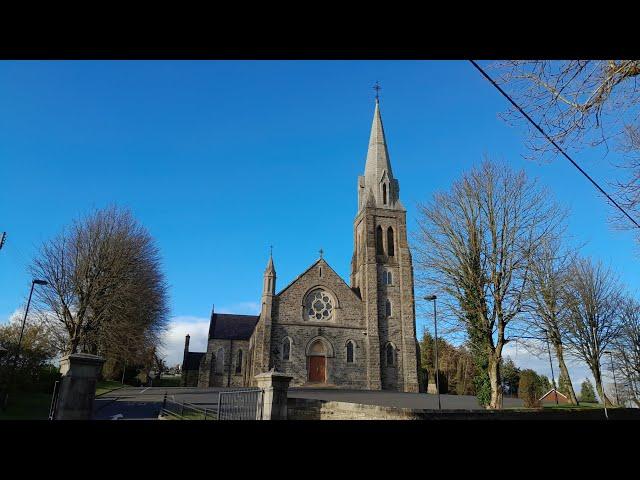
{"x": 494, "y": 379}
{"x": 565, "y": 371}
{"x": 600, "y": 388}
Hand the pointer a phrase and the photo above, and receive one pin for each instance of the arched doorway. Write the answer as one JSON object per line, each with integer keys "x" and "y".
{"x": 317, "y": 354}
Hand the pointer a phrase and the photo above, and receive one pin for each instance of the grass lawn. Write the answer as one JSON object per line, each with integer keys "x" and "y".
{"x": 27, "y": 406}
{"x": 173, "y": 381}
{"x": 106, "y": 386}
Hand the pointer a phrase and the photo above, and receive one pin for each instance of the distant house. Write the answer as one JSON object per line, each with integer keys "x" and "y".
{"x": 550, "y": 397}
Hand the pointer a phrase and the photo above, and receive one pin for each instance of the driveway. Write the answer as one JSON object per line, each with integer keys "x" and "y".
{"x": 137, "y": 403}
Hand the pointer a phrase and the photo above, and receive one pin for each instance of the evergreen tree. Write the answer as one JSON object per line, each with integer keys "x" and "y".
{"x": 587, "y": 393}
{"x": 564, "y": 385}
{"x": 545, "y": 384}
{"x": 510, "y": 377}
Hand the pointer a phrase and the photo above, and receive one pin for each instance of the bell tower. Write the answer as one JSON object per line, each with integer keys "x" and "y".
{"x": 382, "y": 270}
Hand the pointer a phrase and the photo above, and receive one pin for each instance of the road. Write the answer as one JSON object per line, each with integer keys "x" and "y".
{"x": 137, "y": 403}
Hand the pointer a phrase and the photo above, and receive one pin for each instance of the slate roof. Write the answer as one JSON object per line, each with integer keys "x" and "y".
{"x": 228, "y": 326}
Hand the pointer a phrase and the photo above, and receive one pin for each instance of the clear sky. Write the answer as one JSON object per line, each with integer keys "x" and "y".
{"x": 220, "y": 159}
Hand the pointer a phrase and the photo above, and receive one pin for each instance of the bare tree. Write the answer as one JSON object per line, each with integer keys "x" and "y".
{"x": 627, "y": 350}
{"x": 475, "y": 247}
{"x": 105, "y": 285}
{"x": 593, "y": 298}
{"x": 546, "y": 299}
{"x": 582, "y": 103}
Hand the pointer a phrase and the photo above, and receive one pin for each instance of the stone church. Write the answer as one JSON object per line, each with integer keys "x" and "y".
{"x": 320, "y": 330}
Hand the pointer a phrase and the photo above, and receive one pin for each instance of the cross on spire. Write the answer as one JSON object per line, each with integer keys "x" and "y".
{"x": 321, "y": 252}
{"x": 377, "y": 88}
{"x": 271, "y": 250}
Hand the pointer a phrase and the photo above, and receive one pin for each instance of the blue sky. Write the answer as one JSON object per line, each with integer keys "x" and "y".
{"x": 220, "y": 159}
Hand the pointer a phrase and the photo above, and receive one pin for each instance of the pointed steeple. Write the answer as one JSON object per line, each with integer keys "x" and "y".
{"x": 269, "y": 278}
{"x": 377, "y": 187}
{"x": 377, "y": 154}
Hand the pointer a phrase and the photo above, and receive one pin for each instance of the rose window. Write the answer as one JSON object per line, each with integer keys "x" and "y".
{"x": 318, "y": 305}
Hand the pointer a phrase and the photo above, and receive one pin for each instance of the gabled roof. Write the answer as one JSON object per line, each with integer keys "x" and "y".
{"x": 553, "y": 390}
{"x": 228, "y": 326}
{"x": 324, "y": 263}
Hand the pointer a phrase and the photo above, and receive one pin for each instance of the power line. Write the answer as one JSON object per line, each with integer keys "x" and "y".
{"x": 595, "y": 184}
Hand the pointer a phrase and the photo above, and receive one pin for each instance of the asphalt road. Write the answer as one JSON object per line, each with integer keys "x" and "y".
{"x": 135, "y": 403}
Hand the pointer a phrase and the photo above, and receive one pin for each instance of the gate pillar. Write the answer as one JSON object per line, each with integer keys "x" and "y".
{"x": 78, "y": 386}
{"x": 274, "y": 398}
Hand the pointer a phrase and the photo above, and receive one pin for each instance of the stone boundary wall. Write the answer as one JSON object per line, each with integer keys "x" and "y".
{"x": 308, "y": 409}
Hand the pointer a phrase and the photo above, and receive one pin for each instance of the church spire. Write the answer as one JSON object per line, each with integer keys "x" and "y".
{"x": 378, "y": 181}
{"x": 377, "y": 154}
{"x": 269, "y": 277}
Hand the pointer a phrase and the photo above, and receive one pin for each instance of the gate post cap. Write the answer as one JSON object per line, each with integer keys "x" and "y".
{"x": 81, "y": 365}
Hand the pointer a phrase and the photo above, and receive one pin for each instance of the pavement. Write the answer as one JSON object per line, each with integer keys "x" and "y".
{"x": 139, "y": 403}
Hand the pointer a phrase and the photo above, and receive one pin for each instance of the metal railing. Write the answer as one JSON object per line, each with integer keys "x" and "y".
{"x": 187, "y": 411}
{"x": 240, "y": 404}
{"x": 245, "y": 404}
{"x": 54, "y": 400}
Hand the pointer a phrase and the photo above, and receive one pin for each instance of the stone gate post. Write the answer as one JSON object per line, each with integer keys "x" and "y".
{"x": 274, "y": 398}
{"x": 80, "y": 372}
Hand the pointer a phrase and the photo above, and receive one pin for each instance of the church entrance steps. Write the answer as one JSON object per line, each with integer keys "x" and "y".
{"x": 317, "y": 385}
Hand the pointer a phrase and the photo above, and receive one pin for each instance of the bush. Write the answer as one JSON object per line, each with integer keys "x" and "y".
{"x": 33, "y": 380}
{"x": 530, "y": 388}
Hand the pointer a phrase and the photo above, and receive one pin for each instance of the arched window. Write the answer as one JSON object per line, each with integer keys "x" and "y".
{"x": 387, "y": 308}
{"x": 384, "y": 193}
{"x": 390, "y": 353}
{"x": 286, "y": 349}
{"x": 349, "y": 351}
{"x": 387, "y": 278}
{"x": 220, "y": 360}
{"x": 390, "y": 248}
{"x": 379, "y": 247}
{"x": 239, "y": 362}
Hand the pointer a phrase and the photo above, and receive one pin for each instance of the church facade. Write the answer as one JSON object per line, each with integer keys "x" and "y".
{"x": 320, "y": 330}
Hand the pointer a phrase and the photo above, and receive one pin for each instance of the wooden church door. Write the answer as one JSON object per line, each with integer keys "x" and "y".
{"x": 317, "y": 367}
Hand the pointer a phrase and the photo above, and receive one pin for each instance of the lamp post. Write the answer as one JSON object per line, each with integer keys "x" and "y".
{"x": 435, "y": 329}
{"x": 24, "y": 321}
{"x": 613, "y": 370}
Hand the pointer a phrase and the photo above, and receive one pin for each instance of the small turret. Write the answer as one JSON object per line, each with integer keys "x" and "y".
{"x": 269, "y": 280}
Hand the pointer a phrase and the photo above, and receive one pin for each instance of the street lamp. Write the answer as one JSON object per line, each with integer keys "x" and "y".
{"x": 613, "y": 370}
{"x": 430, "y": 298}
{"x": 24, "y": 321}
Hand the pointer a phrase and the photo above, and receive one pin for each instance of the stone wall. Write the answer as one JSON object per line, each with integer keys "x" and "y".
{"x": 305, "y": 409}
{"x": 212, "y": 376}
